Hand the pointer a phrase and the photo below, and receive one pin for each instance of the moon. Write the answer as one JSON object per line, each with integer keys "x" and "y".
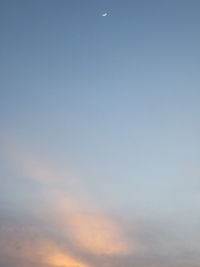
{"x": 104, "y": 14}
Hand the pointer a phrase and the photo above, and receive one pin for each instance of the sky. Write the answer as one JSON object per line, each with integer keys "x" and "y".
{"x": 99, "y": 133}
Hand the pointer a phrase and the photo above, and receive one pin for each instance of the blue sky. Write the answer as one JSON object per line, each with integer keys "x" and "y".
{"x": 100, "y": 129}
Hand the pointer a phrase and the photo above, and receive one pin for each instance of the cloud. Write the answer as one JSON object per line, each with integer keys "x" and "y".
{"x": 31, "y": 167}
{"x": 90, "y": 230}
{"x": 57, "y": 258}
{"x": 28, "y": 246}
{"x": 82, "y": 223}
{"x": 97, "y": 234}
{"x": 72, "y": 231}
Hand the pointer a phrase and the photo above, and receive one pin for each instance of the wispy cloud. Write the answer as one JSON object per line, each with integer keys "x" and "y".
{"x": 29, "y": 246}
{"x": 83, "y": 226}
{"x": 90, "y": 229}
{"x": 72, "y": 230}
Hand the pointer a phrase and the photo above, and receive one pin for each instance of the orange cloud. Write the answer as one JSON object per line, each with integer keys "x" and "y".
{"x": 27, "y": 248}
{"x": 89, "y": 229}
{"x": 58, "y": 258}
{"x": 54, "y": 256}
{"x": 97, "y": 234}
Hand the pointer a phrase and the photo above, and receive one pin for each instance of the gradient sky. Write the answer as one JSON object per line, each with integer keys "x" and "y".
{"x": 99, "y": 133}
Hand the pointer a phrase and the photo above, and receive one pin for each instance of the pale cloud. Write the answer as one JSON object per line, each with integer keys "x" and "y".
{"x": 76, "y": 232}
{"x": 97, "y": 234}
{"x": 29, "y": 246}
{"x": 84, "y": 224}
{"x": 57, "y": 258}
{"x": 90, "y": 230}
{"x": 32, "y": 167}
